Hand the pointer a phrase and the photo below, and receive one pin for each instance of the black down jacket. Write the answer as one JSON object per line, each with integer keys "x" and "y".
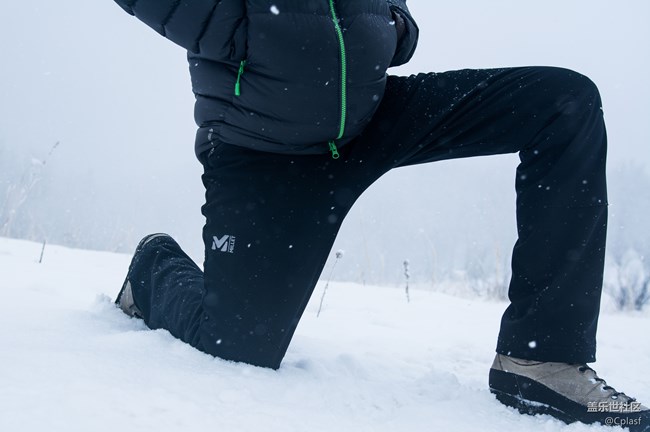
{"x": 283, "y": 76}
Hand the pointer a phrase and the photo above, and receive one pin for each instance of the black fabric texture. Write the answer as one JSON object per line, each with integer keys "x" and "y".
{"x": 271, "y": 219}
{"x": 409, "y": 40}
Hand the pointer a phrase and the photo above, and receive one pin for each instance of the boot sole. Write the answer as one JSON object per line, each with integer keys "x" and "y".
{"x": 531, "y": 397}
{"x": 529, "y": 407}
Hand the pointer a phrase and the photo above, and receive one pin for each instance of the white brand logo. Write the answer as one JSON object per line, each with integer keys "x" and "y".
{"x": 224, "y": 244}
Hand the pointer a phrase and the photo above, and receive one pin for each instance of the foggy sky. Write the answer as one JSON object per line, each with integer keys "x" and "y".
{"x": 117, "y": 97}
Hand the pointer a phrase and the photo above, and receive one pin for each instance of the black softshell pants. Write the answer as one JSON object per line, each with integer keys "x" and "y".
{"x": 271, "y": 219}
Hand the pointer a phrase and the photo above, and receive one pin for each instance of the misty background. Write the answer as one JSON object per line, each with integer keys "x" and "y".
{"x": 116, "y": 97}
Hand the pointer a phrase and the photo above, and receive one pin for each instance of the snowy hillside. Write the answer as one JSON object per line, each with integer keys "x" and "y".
{"x": 70, "y": 361}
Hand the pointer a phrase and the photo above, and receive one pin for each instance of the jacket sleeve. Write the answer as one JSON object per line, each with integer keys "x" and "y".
{"x": 408, "y": 42}
{"x": 182, "y": 22}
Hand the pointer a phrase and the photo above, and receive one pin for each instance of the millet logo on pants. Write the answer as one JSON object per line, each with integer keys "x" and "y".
{"x": 224, "y": 244}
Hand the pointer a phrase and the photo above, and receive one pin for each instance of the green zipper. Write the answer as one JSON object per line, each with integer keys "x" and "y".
{"x": 344, "y": 76}
{"x": 242, "y": 65}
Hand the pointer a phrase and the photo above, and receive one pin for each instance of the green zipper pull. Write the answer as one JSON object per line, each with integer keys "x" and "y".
{"x": 334, "y": 150}
{"x": 239, "y": 74}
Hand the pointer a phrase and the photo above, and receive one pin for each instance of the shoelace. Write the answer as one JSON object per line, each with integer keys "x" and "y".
{"x": 584, "y": 368}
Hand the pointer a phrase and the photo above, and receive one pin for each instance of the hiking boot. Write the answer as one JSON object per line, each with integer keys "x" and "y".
{"x": 125, "y": 299}
{"x": 569, "y": 392}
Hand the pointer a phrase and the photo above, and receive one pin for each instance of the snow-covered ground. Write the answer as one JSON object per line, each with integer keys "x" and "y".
{"x": 70, "y": 361}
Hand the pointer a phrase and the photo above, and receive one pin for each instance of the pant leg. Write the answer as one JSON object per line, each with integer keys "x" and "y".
{"x": 553, "y": 118}
{"x": 271, "y": 221}
{"x": 167, "y": 287}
